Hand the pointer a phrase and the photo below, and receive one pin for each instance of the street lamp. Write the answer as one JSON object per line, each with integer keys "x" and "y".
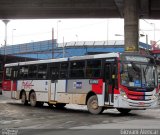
{"x": 12, "y": 35}
{"x": 144, "y": 35}
{"x": 58, "y": 30}
{"x": 119, "y": 35}
{"x": 5, "y": 41}
{"x": 154, "y": 28}
{"x": 5, "y": 22}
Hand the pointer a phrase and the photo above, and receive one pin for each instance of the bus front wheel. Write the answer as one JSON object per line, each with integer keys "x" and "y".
{"x": 92, "y": 105}
{"x": 24, "y": 98}
{"x": 33, "y": 99}
{"x": 123, "y": 110}
{"x": 60, "y": 105}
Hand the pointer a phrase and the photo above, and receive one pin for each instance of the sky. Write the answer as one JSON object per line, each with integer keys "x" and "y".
{"x": 25, "y": 31}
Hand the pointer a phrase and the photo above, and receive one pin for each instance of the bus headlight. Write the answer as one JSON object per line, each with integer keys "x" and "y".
{"x": 123, "y": 94}
{"x": 156, "y": 95}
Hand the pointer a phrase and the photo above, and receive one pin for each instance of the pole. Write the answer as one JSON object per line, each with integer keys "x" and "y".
{"x": 146, "y": 39}
{"x": 12, "y": 35}
{"x": 107, "y": 30}
{"x": 154, "y": 31}
{"x": 147, "y": 43}
{"x": 5, "y": 40}
{"x": 57, "y": 30}
{"x": 52, "y": 43}
{"x": 5, "y": 22}
{"x": 63, "y": 48}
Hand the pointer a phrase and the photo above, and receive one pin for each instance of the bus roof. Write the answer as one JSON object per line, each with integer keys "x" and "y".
{"x": 106, "y": 55}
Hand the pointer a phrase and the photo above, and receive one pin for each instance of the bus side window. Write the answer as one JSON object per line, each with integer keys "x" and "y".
{"x": 107, "y": 73}
{"x": 93, "y": 69}
{"x": 23, "y": 72}
{"x": 32, "y": 73}
{"x": 63, "y": 70}
{"x": 15, "y": 73}
{"x": 42, "y": 71}
{"x": 77, "y": 69}
{"x": 115, "y": 76}
{"x": 8, "y": 73}
{"x": 54, "y": 71}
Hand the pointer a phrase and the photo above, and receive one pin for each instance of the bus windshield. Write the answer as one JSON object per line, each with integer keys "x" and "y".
{"x": 138, "y": 75}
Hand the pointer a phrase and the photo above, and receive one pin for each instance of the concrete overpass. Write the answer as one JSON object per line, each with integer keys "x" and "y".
{"x": 130, "y": 10}
{"x": 28, "y": 9}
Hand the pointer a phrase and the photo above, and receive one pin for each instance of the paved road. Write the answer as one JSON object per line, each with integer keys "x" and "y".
{"x": 14, "y": 115}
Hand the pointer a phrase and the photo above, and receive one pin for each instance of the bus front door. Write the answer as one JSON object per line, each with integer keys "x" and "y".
{"x": 13, "y": 89}
{"x": 109, "y": 75}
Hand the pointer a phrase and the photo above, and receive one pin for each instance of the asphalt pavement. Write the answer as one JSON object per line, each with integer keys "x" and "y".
{"x": 73, "y": 119}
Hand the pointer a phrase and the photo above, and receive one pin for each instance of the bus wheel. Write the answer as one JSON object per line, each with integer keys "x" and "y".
{"x": 33, "y": 100}
{"x": 50, "y": 105}
{"x": 60, "y": 105}
{"x": 24, "y": 98}
{"x": 92, "y": 105}
{"x": 39, "y": 104}
{"x": 123, "y": 110}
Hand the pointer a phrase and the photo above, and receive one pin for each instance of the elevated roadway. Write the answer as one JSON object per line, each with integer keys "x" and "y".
{"x": 32, "y": 9}
{"x": 130, "y": 10}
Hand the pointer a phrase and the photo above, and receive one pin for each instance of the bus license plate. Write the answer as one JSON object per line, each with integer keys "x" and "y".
{"x": 141, "y": 103}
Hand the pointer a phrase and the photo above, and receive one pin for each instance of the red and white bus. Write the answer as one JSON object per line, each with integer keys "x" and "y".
{"x": 113, "y": 80}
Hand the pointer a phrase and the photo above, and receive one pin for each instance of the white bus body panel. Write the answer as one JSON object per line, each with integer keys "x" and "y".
{"x": 53, "y": 91}
{"x": 41, "y": 88}
{"x": 10, "y": 94}
{"x": 6, "y": 94}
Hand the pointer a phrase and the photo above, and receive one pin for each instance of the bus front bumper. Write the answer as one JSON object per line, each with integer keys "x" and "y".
{"x": 134, "y": 104}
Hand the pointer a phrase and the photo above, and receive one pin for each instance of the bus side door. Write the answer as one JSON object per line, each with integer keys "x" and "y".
{"x": 54, "y": 75}
{"x": 109, "y": 78}
{"x": 14, "y": 82}
{"x": 9, "y": 82}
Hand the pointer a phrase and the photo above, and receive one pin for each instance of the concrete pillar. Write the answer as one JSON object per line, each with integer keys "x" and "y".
{"x": 131, "y": 28}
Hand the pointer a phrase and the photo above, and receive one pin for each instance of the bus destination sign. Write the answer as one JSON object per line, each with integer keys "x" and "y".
{"x": 137, "y": 59}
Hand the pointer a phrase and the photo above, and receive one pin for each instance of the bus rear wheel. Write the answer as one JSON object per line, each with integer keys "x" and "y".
{"x": 33, "y": 99}
{"x": 39, "y": 104}
{"x": 92, "y": 105}
{"x": 123, "y": 110}
{"x": 24, "y": 98}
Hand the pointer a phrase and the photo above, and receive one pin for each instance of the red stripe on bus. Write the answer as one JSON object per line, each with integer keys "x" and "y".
{"x": 116, "y": 91}
{"x": 129, "y": 92}
{"x": 98, "y": 88}
{"x": 136, "y": 93}
{"x": 136, "y": 97}
{"x": 6, "y": 85}
{"x": 14, "y": 86}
